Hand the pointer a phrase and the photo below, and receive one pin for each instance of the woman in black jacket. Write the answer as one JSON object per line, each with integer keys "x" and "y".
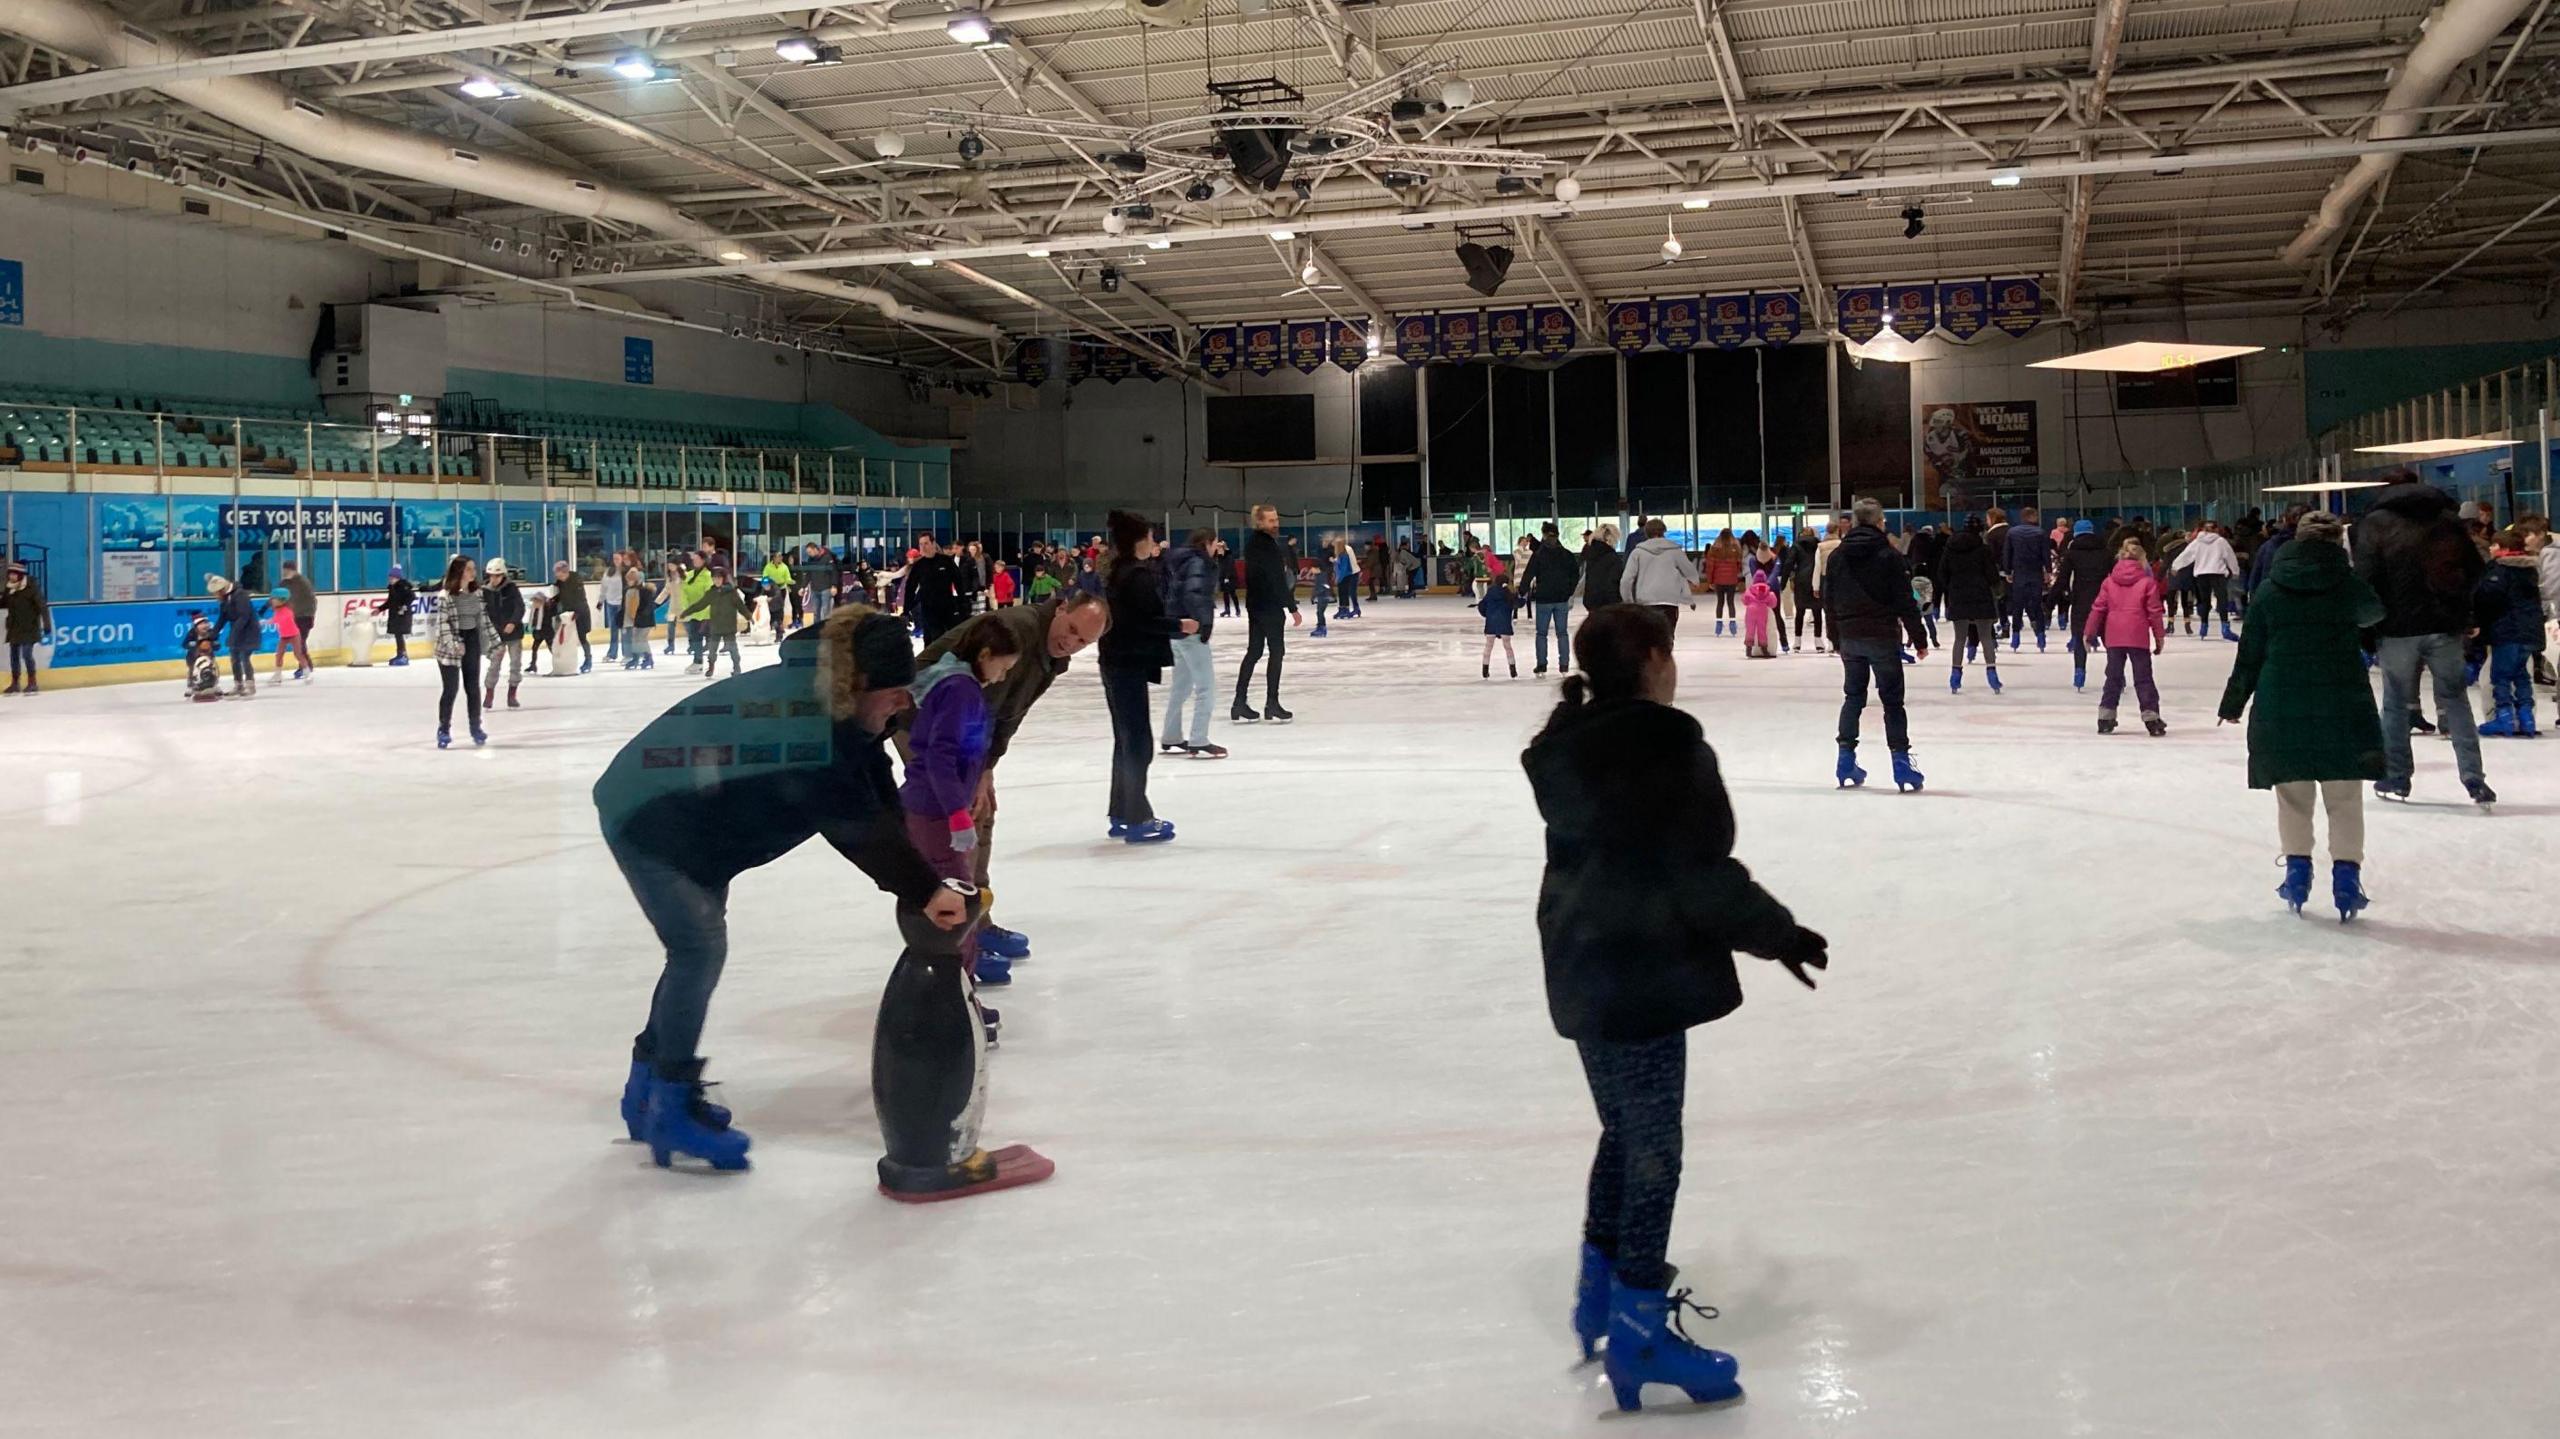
{"x": 1604, "y": 570}
{"x": 1969, "y": 587}
{"x": 1640, "y": 911}
{"x": 397, "y": 600}
{"x": 2078, "y": 574}
{"x": 1802, "y": 562}
{"x": 1135, "y": 651}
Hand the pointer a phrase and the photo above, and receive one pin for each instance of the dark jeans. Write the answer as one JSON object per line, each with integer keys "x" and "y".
{"x": 2439, "y": 657}
{"x": 2145, "y": 692}
{"x": 2213, "y": 596}
{"x": 1980, "y": 631}
{"x": 22, "y": 656}
{"x": 2079, "y": 636}
{"x": 1883, "y": 660}
{"x": 2510, "y": 678}
{"x": 1805, "y": 606}
{"x": 612, "y": 633}
{"x": 244, "y": 666}
{"x": 464, "y": 677}
{"x": 2025, "y": 605}
{"x": 1635, "y": 1176}
{"x": 1554, "y": 614}
{"x": 692, "y": 921}
{"x": 1263, "y": 627}
{"x": 1670, "y": 616}
{"x": 1724, "y": 602}
{"x": 1133, "y": 743}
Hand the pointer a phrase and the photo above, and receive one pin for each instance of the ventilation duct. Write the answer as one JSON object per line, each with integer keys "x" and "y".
{"x": 2453, "y": 35}
{"x": 90, "y": 32}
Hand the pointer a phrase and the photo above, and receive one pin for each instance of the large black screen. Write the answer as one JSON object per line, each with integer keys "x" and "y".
{"x": 1262, "y": 427}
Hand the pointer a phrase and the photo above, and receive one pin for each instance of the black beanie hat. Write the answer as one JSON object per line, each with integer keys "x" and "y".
{"x": 882, "y": 651}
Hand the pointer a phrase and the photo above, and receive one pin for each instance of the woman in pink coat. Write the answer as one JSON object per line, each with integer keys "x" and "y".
{"x": 2128, "y": 617}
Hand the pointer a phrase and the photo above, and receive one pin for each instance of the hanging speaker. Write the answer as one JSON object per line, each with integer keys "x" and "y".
{"x": 1261, "y": 156}
{"x": 1487, "y": 266}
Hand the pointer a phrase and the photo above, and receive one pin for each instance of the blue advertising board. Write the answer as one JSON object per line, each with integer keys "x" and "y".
{"x": 118, "y": 634}
{"x": 639, "y": 360}
{"x": 13, "y": 292}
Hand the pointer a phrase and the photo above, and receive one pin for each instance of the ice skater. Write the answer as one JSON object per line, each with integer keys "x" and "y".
{"x": 1639, "y": 912}
{"x": 1801, "y": 599}
{"x": 1969, "y": 590}
{"x": 1270, "y": 590}
{"x": 236, "y": 615}
{"x": 398, "y": 599}
{"x": 1723, "y": 574}
{"x": 504, "y": 601}
{"x": 724, "y": 610}
{"x": 288, "y": 638}
{"x": 2079, "y": 572}
{"x": 1759, "y": 603}
{"x": 2127, "y": 615}
{"x": 461, "y": 633}
{"x": 946, "y": 749}
{"x": 2025, "y": 557}
{"x": 2208, "y": 562}
{"x": 1190, "y": 580}
{"x": 29, "y": 620}
{"x": 684, "y": 816}
{"x": 1136, "y": 651}
{"x": 1497, "y": 605}
{"x": 1872, "y": 612}
{"x": 1659, "y": 574}
{"x": 2314, "y": 735}
{"x": 2512, "y": 590}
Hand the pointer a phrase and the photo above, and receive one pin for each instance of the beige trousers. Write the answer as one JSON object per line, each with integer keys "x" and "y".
{"x": 2343, "y": 798}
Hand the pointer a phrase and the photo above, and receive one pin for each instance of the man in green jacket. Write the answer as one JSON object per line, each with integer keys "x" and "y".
{"x": 778, "y": 588}
{"x": 696, "y": 584}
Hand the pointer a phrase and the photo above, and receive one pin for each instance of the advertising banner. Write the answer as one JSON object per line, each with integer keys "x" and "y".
{"x": 1350, "y": 344}
{"x": 1728, "y": 321}
{"x": 1461, "y": 335}
{"x": 1307, "y": 345}
{"x": 1969, "y": 448}
{"x": 313, "y": 523}
{"x": 117, "y": 634}
{"x": 1418, "y": 339}
{"x": 1630, "y": 325}
{"x": 1862, "y": 313}
{"x": 1506, "y": 333}
{"x": 1915, "y": 310}
{"x": 1675, "y": 323}
{"x": 1554, "y": 331}
{"x": 132, "y": 574}
{"x": 1777, "y": 318}
{"x": 1262, "y": 347}
{"x": 2017, "y": 306}
{"x": 13, "y": 292}
{"x": 1218, "y": 352}
{"x": 1962, "y": 308}
{"x": 639, "y": 360}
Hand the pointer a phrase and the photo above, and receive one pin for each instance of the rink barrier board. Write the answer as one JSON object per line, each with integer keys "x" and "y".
{"x": 136, "y": 642}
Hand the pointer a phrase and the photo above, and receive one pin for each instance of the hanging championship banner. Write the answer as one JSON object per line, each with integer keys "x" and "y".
{"x": 1350, "y": 344}
{"x": 1506, "y": 333}
{"x": 1112, "y": 364}
{"x": 1306, "y": 345}
{"x": 1552, "y": 331}
{"x": 1461, "y": 335}
{"x": 1262, "y": 348}
{"x": 1031, "y": 362}
{"x": 1218, "y": 352}
{"x": 1630, "y": 326}
{"x": 1417, "y": 338}
{"x": 1915, "y": 310}
{"x": 1961, "y": 305}
{"x": 1728, "y": 321}
{"x": 2017, "y": 306}
{"x": 1777, "y": 318}
{"x": 1676, "y": 323}
{"x": 1862, "y": 313}
{"x": 1079, "y": 363}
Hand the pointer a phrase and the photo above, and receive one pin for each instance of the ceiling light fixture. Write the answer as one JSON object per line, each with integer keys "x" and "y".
{"x": 798, "y": 49}
{"x": 1039, "y": 254}
{"x": 1699, "y": 202}
{"x": 968, "y": 28}
{"x": 1201, "y": 192}
{"x": 919, "y": 261}
{"x": 2433, "y": 447}
{"x": 889, "y": 144}
{"x": 481, "y": 87}
{"x": 2142, "y": 357}
{"x": 635, "y": 65}
{"x": 1160, "y": 243}
{"x": 1113, "y": 222}
{"x": 1568, "y": 189}
{"x": 1457, "y": 93}
{"x": 971, "y": 147}
{"x": 733, "y": 257}
{"x": 1110, "y": 280}
{"x": 1284, "y": 236}
{"x": 2007, "y": 180}
{"x": 1670, "y": 241}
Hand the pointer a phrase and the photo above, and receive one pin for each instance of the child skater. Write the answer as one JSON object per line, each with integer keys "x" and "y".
{"x": 1640, "y": 910}
{"x": 288, "y": 633}
{"x": 726, "y": 610}
{"x": 947, "y": 757}
{"x": 1758, "y": 603}
{"x": 2313, "y": 731}
{"x": 2127, "y": 614}
{"x": 1498, "y": 606}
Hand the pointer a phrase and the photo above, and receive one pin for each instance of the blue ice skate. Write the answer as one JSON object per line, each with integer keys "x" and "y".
{"x": 1992, "y": 677}
{"x": 635, "y": 1103}
{"x": 2296, "y": 889}
{"x": 2227, "y": 634}
{"x": 1904, "y": 776}
{"x": 2346, "y": 888}
{"x": 2080, "y": 676}
{"x": 444, "y": 737}
{"x": 994, "y": 970}
{"x": 1848, "y": 773}
{"x": 1154, "y": 831}
{"x": 1648, "y": 1346}
{"x": 2039, "y": 642}
{"x": 674, "y": 1121}
{"x": 994, "y": 938}
{"x": 1955, "y": 681}
{"x": 1591, "y": 1303}
{"x": 2500, "y": 726}
{"x": 479, "y": 736}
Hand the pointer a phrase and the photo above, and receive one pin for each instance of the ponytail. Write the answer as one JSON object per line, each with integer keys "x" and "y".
{"x": 1614, "y": 645}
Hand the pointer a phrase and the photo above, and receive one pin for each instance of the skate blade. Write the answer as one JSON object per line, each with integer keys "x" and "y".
{"x": 1016, "y": 1165}
{"x": 1688, "y": 1406}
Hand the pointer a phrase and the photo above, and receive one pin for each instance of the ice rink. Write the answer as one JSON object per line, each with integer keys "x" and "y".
{"x": 317, "y": 1033}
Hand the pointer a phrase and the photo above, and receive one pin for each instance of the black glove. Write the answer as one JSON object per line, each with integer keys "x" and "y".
{"x": 1801, "y": 951}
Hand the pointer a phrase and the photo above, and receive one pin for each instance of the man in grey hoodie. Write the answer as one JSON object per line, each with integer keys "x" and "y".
{"x": 1659, "y": 573}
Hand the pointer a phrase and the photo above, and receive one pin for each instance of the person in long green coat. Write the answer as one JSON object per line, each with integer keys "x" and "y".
{"x": 2314, "y": 733}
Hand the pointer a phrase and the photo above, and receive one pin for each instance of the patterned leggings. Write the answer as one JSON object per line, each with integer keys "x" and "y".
{"x": 1635, "y": 1177}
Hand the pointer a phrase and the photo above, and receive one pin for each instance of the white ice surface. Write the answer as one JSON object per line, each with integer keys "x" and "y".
{"x": 313, "y": 1037}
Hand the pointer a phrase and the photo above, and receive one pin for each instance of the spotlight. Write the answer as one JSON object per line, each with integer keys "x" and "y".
{"x": 1127, "y": 162}
{"x": 889, "y": 145}
{"x": 30, "y": 143}
{"x": 182, "y": 175}
{"x": 1407, "y": 112}
{"x": 1510, "y": 185}
{"x": 737, "y": 331}
{"x": 79, "y": 154}
{"x": 1407, "y": 180}
{"x": 1139, "y": 210}
{"x": 971, "y": 147}
{"x": 617, "y": 266}
{"x": 1316, "y": 142}
{"x": 968, "y": 28}
{"x": 1260, "y": 156}
{"x": 1201, "y": 192}
{"x": 1486, "y": 265}
{"x": 798, "y": 49}
{"x": 1303, "y": 189}
{"x": 481, "y": 87}
{"x": 1568, "y": 189}
{"x": 133, "y": 164}
{"x": 634, "y": 65}
{"x": 1914, "y": 220}
{"x": 1376, "y": 344}
{"x": 1110, "y": 279}
{"x": 1457, "y": 94}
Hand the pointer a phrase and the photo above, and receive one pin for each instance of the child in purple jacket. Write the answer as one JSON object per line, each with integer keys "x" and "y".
{"x": 947, "y": 757}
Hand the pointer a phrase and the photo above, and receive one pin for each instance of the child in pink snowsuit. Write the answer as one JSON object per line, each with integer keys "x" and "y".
{"x": 1758, "y": 603}
{"x": 2128, "y": 615}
